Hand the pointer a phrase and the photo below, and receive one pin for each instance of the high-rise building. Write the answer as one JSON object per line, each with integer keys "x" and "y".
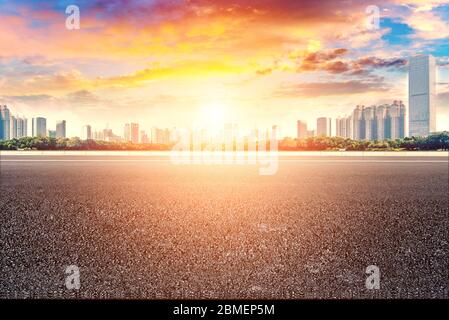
{"x": 301, "y": 129}
{"x": 127, "y": 132}
{"x": 144, "y": 137}
{"x": 131, "y": 132}
{"x": 61, "y": 129}
{"x": 323, "y": 127}
{"x": 396, "y": 120}
{"x": 343, "y": 127}
{"x": 375, "y": 122}
{"x": 369, "y": 117}
{"x": 98, "y": 135}
{"x": 161, "y": 136}
{"x": 134, "y": 132}
{"x": 22, "y": 127}
{"x": 5, "y": 118}
{"x": 86, "y": 132}
{"x": 358, "y": 124}
{"x": 107, "y": 134}
{"x": 348, "y": 127}
{"x": 381, "y": 116}
{"x": 421, "y": 92}
{"x": 39, "y": 127}
{"x": 12, "y": 127}
{"x": 339, "y": 128}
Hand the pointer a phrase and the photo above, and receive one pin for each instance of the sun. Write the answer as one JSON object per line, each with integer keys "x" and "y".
{"x": 212, "y": 115}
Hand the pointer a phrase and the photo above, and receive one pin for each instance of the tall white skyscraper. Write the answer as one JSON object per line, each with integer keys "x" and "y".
{"x": 5, "y": 118}
{"x": 39, "y": 127}
{"x": 61, "y": 129}
{"x": 421, "y": 93}
{"x": 301, "y": 129}
{"x": 323, "y": 127}
{"x": 134, "y": 132}
{"x": 358, "y": 129}
{"x": 22, "y": 127}
{"x": 131, "y": 132}
{"x": 13, "y": 127}
{"x": 343, "y": 127}
{"x": 86, "y": 133}
{"x": 370, "y": 122}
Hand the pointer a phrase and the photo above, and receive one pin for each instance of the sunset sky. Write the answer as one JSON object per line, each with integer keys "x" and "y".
{"x": 254, "y": 62}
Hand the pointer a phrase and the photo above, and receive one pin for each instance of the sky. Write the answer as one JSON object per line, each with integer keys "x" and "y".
{"x": 201, "y": 63}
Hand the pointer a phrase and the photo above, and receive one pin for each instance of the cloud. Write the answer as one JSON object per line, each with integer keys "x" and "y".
{"x": 331, "y": 61}
{"x": 375, "y": 62}
{"x": 316, "y": 89}
{"x": 427, "y": 25}
{"x": 30, "y": 98}
{"x": 317, "y": 60}
{"x": 337, "y": 67}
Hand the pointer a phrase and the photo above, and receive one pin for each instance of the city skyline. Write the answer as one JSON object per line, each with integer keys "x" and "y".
{"x": 253, "y": 63}
{"x": 364, "y": 123}
{"x": 381, "y": 122}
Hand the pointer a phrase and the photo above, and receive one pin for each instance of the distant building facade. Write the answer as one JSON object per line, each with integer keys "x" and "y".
{"x": 22, "y": 127}
{"x": 323, "y": 127}
{"x": 375, "y": 122}
{"x": 12, "y": 127}
{"x": 161, "y": 136}
{"x": 134, "y": 132}
{"x": 421, "y": 89}
{"x": 131, "y": 132}
{"x": 301, "y": 129}
{"x": 5, "y": 119}
{"x": 51, "y": 133}
{"x": 61, "y": 129}
{"x": 343, "y": 127}
{"x": 144, "y": 137}
{"x": 39, "y": 127}
{"x": 86, "y": 132}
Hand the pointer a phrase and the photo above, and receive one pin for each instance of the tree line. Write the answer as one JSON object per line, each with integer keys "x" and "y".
{"x": 438, "y": 141}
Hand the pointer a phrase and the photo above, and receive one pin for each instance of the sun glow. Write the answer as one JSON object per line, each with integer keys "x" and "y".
{"x": 212, "y": 115}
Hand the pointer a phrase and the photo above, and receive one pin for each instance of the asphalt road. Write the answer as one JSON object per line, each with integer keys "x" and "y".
{"x": 151, "y": 229}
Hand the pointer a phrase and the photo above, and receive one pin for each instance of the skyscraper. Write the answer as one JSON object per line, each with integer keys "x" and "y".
{"x": 127, "y": 132}
{"x": 369, "y": 117}
{"x": 5, "y": 118}
{"x": 144, "y": 137}
{"x": 375, "y": 122}
{"x": 39, "y": 127}
{"x": 358, "y": 123}
{"x": 22, "y": 127}
{"x": 421, "y": 91}
{"x": 131, "y": 132}
{"x": 13, "y": 127}
{"x": 86, "y": 132}
{"x": 61, "y": 129}
{"x": 302, "y": 129}
{"x": 343, "y": 127}
{"x": 323, "y": 127}
{"x": 396, "y": 120}
{"x": 134, "y": 132}
{"x": 381, "y": 116}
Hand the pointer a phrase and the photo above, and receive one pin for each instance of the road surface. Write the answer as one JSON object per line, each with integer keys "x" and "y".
{"x": 142, "y": 227}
